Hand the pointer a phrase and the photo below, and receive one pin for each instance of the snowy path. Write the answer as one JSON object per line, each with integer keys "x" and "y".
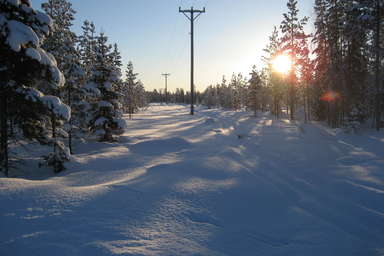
{"x": 220, "y": 183}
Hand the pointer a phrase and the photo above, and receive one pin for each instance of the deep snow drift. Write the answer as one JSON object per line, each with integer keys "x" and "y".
{"x": 218, "y": 183}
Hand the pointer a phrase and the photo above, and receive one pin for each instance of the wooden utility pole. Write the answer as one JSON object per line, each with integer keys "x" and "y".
{"x": 166, "y": 85}
{"x": 192, "y": 18}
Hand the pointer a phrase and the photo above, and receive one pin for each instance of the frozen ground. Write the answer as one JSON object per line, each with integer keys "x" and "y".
{"x": 218, "y": 183}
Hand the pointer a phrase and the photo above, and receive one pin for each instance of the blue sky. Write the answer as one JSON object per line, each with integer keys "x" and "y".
{"x": 229, "y": 37}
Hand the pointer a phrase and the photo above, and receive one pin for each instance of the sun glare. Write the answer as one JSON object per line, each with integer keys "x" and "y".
{"x": 282, "y": 63}
{"x": 330, "y": 96}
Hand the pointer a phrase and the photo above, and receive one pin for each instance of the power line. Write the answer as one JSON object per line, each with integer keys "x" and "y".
{"x": 192, "y": 18}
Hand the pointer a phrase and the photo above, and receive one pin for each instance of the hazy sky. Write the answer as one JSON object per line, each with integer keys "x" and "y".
{"x": 229, "y": 37}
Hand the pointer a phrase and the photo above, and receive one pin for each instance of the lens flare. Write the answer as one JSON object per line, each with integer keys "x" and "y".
{"x": 330, "y": 96}
{"x": 282, "y": 63}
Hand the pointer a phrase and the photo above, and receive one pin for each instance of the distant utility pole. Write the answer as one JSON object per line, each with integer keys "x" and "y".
{"x": 166, "y": 84}
{"x": 192, "y": 18}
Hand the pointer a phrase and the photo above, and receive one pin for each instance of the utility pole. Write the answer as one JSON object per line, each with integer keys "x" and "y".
{"x": 192, "y": 18}
{"x": 166, "y": 84}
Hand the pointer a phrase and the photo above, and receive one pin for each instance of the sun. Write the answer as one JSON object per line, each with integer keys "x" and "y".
{"x": 282, "y": 63}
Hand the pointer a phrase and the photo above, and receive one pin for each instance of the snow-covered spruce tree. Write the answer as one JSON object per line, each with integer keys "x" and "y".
{"x": 141, "y": 97}
{"x": 234, "y": 93}
{"x": 131, "y": 91}
{"x": 255, "y": 88}
{"x": 119, "y": 85}
{"x": 23, "y": 64}
{"x": 75, "y": 96}
{"x": 116, "y": 57}
{"x": 62, "y": 45}
{"x": 106, "y": 118}
{"x": 61, "y": 40}
{"x": 87, "y": 42}
{"x": 210, "y": 97}
{"x": 86, "y": 48}
{"x": 224, "y": 94}
{"x": 265, "y": 95}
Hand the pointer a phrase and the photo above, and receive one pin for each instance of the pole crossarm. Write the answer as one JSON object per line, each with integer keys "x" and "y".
{"x": 190, "y": 11}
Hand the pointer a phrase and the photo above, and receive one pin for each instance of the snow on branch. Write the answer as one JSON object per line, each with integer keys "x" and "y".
{"x": 53, "y": 103}
{"x": 105, "y": 104}
{"x": 57, "y": 106}
{"x": 20, "y": 35}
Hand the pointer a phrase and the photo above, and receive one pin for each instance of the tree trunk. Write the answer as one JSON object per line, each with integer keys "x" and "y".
{"x": 107, "y": 133}
{"x": 70, "y": 121}
{"x": 377, "y": 67}
{"x": 4, "y": 132}
{"x": 56, "y": 165}
{"x": 305, "y": 104}
{"x": 292, "y": 102}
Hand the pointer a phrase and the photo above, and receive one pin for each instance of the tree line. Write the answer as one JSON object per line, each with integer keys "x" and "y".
{"x": 336, "y": 71}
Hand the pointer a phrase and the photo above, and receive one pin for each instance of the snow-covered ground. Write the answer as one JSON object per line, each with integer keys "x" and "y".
{"x": 218, "y": 183}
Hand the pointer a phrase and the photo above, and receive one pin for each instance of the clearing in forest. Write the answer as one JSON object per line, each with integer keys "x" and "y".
{"x": 217, "y": 183}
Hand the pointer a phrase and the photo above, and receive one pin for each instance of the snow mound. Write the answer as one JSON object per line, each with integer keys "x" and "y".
{"x": 159, "y": 147}
{"x": 210, "y": 121}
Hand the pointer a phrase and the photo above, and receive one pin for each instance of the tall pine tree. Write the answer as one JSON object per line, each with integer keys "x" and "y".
{"x": 292, "y": 29}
